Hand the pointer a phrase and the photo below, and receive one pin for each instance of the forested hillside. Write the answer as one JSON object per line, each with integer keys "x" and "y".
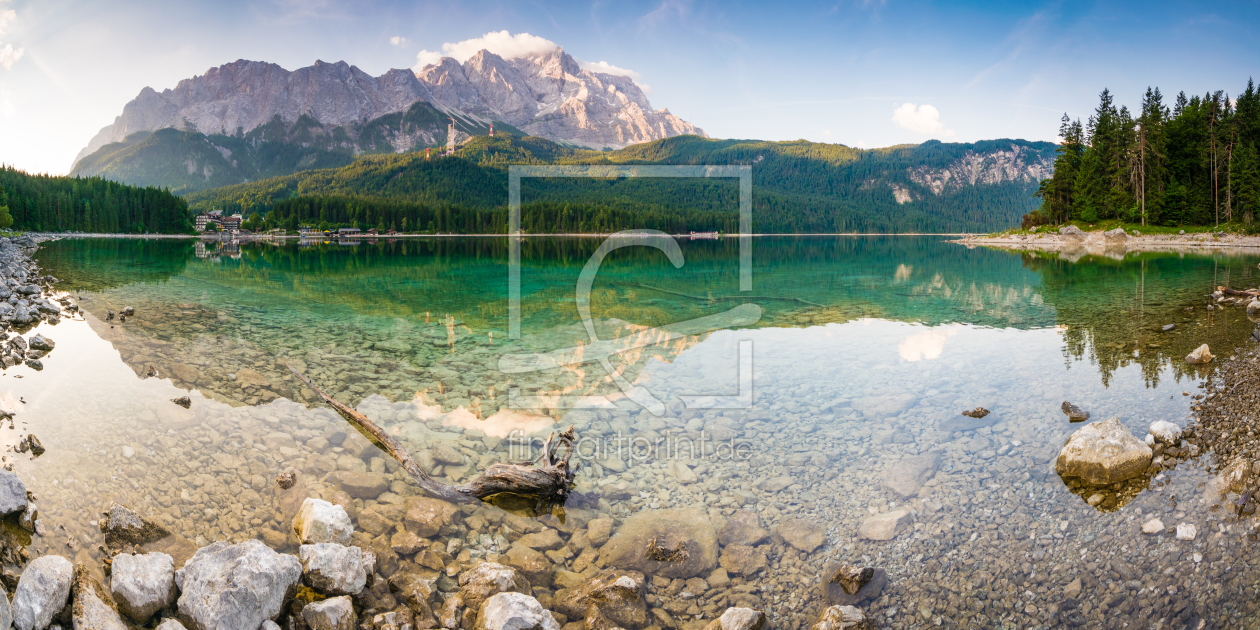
{"x": 1195, "y": 163}
{"x": 797, "y": 187}
{"x": 62, "y": 204}
{"x": 187, "y": 161}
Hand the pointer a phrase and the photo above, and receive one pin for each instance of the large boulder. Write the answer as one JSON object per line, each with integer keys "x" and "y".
{"x": 489, "y": 578}
{"x": 336, "y": 569}
{"x": 618, "y": 598}
{"x": 1116, "y": 236}
{"x": 42, "y": 592}
{"x": 739, "y": 619}
{"x": 12, "y": 493}
{"x": 142, "y": 584}
{"x": 230, "y": 587}
{"x": 906, "y": 477}
{"x": 93, "y": 608}
{"x": 742, "y": 528}
{"x": 1103, "y": 453}
{"x": 319, "y": 521}
{"x": 1072, "y": 233}
{"x": 514, "y": 611}
{"x": 331, "y": 614}
{"x": 173, "y": 624}
{"x": 674, "y": 543}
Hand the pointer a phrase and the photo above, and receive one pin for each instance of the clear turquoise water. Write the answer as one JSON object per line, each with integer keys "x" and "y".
{"x": 864, "y": 348}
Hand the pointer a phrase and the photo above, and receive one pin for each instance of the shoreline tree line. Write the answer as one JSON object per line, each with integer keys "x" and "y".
{"x": 1192, "y": 163}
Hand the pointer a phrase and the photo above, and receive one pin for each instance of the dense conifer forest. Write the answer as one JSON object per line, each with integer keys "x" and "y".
{"x": 65, "y": 204}
{"x": 1191, "y": 163}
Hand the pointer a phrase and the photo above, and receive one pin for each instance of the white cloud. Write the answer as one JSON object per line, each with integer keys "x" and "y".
{"x": 607, "y": 68}
{"x": 8, "y": 55}
{"x": 501, "y": 43}
{"x": 923, "y": 119}
{"x": 398, "y": 40}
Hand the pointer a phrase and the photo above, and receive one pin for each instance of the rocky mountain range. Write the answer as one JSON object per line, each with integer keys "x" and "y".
{"x": 547, "y": 95}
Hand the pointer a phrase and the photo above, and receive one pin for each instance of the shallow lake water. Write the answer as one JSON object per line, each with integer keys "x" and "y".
{"x": 864, "y": 354}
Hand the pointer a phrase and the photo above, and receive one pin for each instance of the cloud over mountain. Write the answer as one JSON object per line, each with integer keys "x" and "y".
{"x": 923, "y": 119}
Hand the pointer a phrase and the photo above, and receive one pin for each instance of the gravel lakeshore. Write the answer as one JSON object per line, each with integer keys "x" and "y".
{"x": 1098, "y": 244}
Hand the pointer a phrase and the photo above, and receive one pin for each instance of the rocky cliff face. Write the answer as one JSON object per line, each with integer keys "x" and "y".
{"x": 547, "y": 95}
{"x": 244, "y": 95}
{"x": 550, "y": 95}
{"x": 1016, "y": 164}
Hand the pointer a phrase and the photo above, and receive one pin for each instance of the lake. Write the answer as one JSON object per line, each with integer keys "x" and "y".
{"x": 764, "y": 426}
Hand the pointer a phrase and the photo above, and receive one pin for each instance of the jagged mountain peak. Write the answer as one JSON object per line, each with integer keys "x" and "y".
{"x": 547, "y": 94}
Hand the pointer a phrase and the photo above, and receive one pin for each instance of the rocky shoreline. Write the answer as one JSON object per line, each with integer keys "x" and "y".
{"x": 1071, "y": 241}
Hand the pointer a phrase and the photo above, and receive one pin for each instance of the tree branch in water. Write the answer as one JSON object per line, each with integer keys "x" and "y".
{"x": 537, "y": 486}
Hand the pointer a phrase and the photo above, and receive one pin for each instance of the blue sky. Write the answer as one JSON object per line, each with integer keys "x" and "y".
{"x": 862, "y": 73}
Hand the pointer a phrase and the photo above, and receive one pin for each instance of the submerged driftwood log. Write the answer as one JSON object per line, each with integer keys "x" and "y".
{"x": 537, "y": 486}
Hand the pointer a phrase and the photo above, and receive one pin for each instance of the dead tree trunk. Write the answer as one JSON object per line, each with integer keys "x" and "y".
{"x": 537, "y": 486}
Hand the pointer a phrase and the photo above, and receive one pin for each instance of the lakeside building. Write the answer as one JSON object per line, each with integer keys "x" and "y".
{"x": 204, "y": 219}
{"x": 348, "y": 231}
{"x": 309, "y": 231}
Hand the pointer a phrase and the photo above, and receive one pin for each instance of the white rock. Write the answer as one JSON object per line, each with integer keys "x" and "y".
{"x": 142, "y": 584}
{"x": 1186, "y": 531}
{"x": 331, "y": 614}
{"x": 92, "y": 609}
{"x": 336, "y": 569}
{"x": 1253, "y": 307}
{"x": 1153, "y": 526}
{"x": 739, "y": 619}
{"x": 319, "y": 521}
{"x": 1165, "y": 431}
{"x": 1200, "y": 355}
{"x": 514, "y": 611}
{"x": 1103, "y": 453}
{"x": 42, "y": 592}
{"x": 229, "y": 587}
{"x": 171, "y": 624}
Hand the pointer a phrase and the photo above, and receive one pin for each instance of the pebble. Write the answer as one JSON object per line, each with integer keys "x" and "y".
{"x": 1186, "y": 531}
